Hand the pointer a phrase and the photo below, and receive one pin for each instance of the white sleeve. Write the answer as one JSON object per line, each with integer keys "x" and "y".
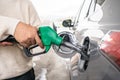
{"x": 7, "y": 26}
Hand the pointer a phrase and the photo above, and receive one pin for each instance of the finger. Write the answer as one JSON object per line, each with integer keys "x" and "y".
{"x": 26, "y": 45}
{"x": 6, "y": 44}
{"x": 28, "y": 42}
{"x": 38, "y": 41}
{"x": 1, "y": 44}
{"x": 32, "y": 41}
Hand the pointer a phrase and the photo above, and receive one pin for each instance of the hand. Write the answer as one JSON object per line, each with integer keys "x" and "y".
{"x": 6, "y": 44}
{"x": 27, "y": 35}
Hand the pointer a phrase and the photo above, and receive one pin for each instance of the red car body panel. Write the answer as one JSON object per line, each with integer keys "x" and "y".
{"x": 111, "y": 46}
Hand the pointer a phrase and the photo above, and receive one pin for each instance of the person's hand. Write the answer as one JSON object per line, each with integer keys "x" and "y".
{"x": 27, "y": 35}
{"x": 6, "y": 44}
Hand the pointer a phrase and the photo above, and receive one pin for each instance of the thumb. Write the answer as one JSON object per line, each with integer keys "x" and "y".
{"x": 38, "y": 41}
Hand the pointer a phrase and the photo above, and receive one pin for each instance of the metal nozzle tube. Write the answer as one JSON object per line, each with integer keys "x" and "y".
{"x": 78, "y": 49}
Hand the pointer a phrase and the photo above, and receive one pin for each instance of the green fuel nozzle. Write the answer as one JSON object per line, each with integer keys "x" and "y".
{"x": 49, "y": 37}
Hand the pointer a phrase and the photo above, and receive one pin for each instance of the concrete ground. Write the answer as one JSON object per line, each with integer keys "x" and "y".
{"x": 50, "y": 66}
